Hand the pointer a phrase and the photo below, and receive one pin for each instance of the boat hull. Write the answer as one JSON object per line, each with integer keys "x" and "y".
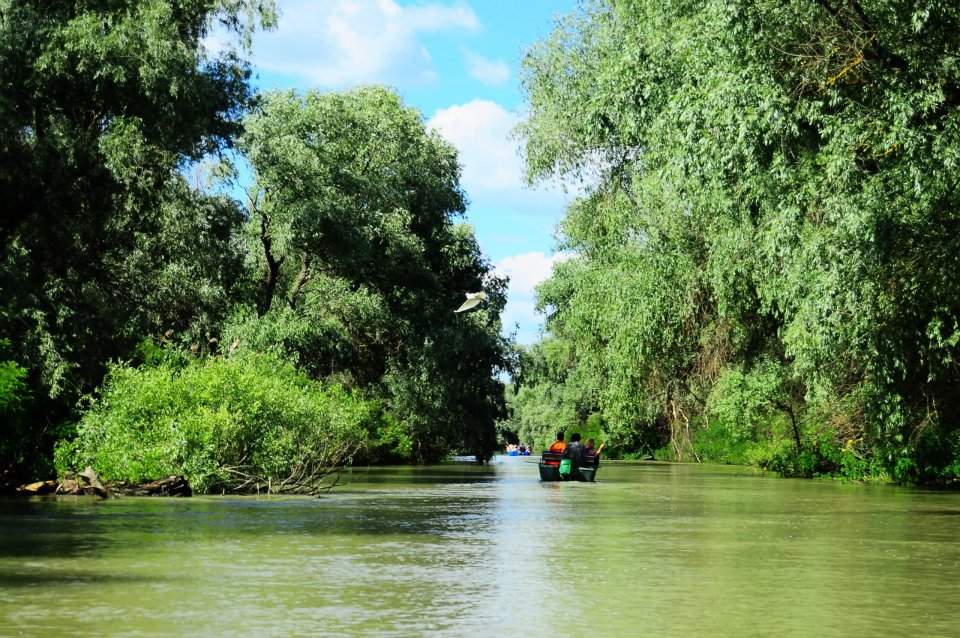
{"x": 550, "y": 470}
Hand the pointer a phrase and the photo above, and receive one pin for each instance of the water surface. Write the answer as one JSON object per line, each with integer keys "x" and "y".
{"x": 651, "y": 549}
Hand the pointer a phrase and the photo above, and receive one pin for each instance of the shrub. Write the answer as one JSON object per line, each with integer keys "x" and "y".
{"x": 235, "y": 424}
{"x": 13, "y": 390}
{"x": 392, "y": 442}
{"x": 18, "y": 441}
{"x": 716, "y": 443}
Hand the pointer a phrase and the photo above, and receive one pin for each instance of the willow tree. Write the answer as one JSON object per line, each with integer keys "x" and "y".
{"x": 360, "y": 260}
{"x": 548, "y": 393}
{"x": 101, "y": 106}
{"x": 772, "y": 192}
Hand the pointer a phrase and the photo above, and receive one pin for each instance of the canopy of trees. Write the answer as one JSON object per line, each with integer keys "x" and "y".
{"x": 768, "y": 245}
{"x": 358, "y": 263}
{"x": 345, "y": 258}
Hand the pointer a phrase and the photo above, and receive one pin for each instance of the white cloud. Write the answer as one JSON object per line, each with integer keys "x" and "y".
{"x": 346, "y": 42}
{"x": 481, "y": 132}
{"x": 488, "y": 71}
{"x": 528, "y": 270}
{"x": 493, "y": 179}
{"x": 525, "y": 272}
{"x": 219, "y": 41}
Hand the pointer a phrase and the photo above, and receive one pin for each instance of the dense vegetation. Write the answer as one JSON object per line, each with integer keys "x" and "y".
{"x": 360, "y": 264}
{"x": 767, "y": 247}
{"x": 126, "y": 256}
{"x": 237, "y": 424}
{"x": 764, "y": 253}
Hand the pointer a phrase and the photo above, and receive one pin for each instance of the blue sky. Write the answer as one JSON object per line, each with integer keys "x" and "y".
{"x": 458, "y": 62}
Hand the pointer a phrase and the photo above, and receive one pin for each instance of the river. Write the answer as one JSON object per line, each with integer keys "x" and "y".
{"x": 649, "y": 549}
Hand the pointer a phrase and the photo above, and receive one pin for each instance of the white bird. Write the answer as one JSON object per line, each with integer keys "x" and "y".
{"x": 474, "y": 299}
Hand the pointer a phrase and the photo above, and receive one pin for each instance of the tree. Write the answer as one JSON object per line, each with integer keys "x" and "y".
{"x": 359, "y": 262}
{"x": 774, "y": 184}
{"x": 549, "y": 392}
{"x": 102, "y": 105}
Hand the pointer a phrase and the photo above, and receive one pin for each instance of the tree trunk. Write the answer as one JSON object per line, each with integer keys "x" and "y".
{"x": 302, "y": 278}
{"x": 272, "y": 273}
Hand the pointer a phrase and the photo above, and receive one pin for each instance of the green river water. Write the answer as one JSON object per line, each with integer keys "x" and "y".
{"x": 455, "y": 550}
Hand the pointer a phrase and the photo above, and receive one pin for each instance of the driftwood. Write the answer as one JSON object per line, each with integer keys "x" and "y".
{"x": 170, "y": 486}
{"x": 38, "y": 489}
{"x": 84, "y": 483}
{"x": 306, "y": 478}
{"x": 87, "y": 483}
{"x": 309, "y": 475}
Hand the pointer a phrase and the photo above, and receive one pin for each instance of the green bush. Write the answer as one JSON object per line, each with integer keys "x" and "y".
{"x": 592, "y": 428}
{"x": 930, "y": 455}
{"x": 821, "y": 455}
{"x": 234, "y": 424}
{"x": 13, "y": 390}
{"x": 18, "y": 441}
{"x": 391, "y": 443}
{"x": 718, "y": 443}
{"x": 743, "y": 401}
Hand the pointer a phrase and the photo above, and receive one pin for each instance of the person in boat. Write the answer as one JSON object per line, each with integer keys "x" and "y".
{"x": 575, "y": 452}
{"x": 558, "y": 445}
{"x": 591, "y": 454}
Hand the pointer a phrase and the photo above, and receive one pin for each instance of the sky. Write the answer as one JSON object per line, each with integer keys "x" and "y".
{"x": 457, "y": 62}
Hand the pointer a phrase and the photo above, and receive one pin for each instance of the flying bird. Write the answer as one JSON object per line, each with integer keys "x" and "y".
{"x": 474, "y": 299}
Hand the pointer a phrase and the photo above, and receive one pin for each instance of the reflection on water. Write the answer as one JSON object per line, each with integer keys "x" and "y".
{"x": 445, "y": 550}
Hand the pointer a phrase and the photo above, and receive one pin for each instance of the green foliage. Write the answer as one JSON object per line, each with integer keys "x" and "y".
{"x": 13, "y": 389}
{"x": 771, "y": 191}
{"x": 333, "y": 330}
{"x": 593, "y": 428}
{"x": 715, "y": 443}
{"x": 18, "y": 440}
{"x": 543, "y": 398}
{"x": 152, "y": 353}
{"x": 102, "y": 107}
{"x": 355, "y": 180}
{"x": 536, "y": 415}
{"x": 391, "y": 442}
{"x": 744, "y": 403}
{"x": 358, "y": 263}
{"x": 234, "y": 424}
{"x": 820, "y": 457}
{"x": 346, "y": 262}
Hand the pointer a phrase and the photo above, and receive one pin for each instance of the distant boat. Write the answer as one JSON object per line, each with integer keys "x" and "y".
{"x": 550, "y": 468}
